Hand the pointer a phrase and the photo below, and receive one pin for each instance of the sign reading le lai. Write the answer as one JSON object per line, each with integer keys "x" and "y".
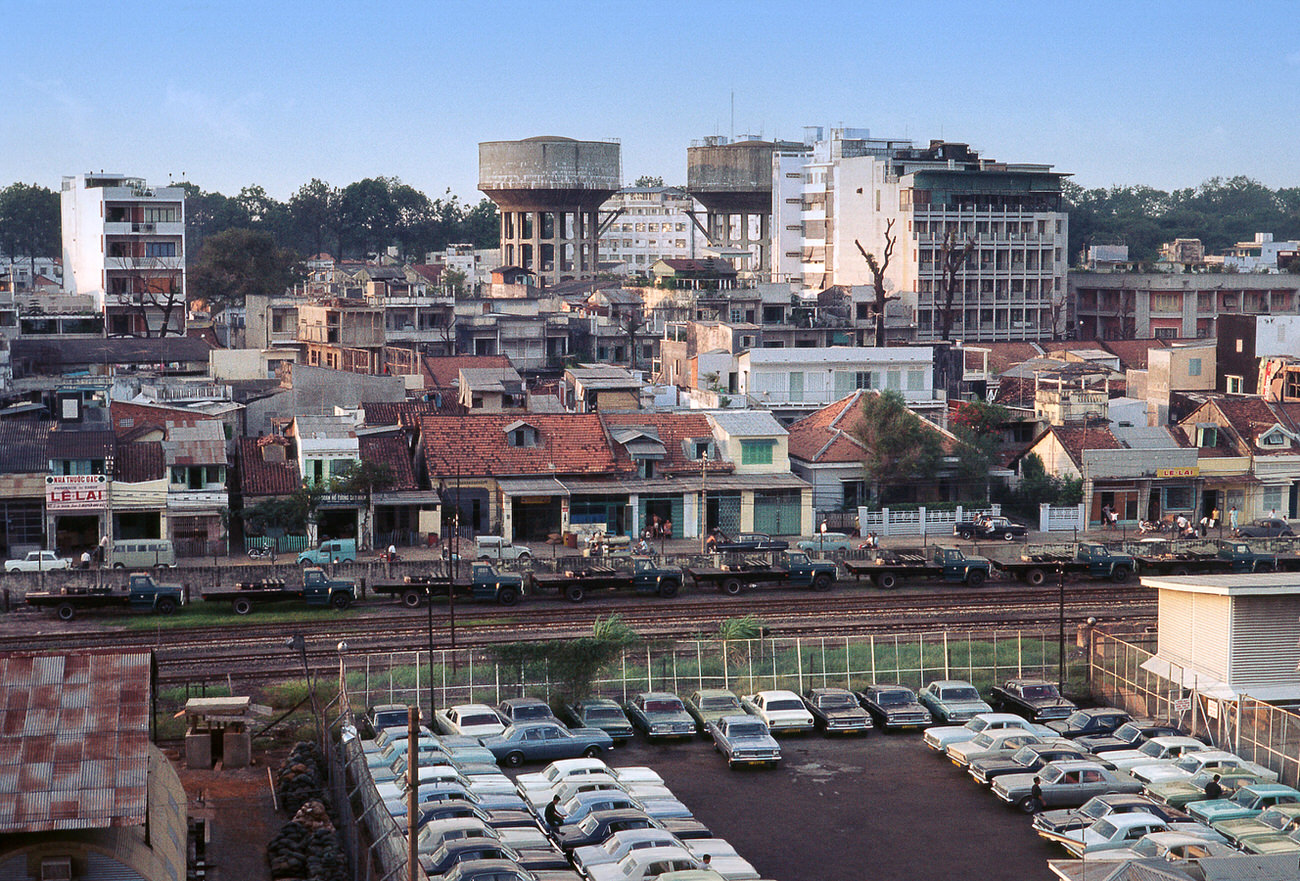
{"x": 1189, "y": 471}
{"x": 75, "y": 492}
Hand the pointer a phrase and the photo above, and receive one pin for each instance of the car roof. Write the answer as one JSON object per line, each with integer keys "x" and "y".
{"x": 658, "y": 695}
{"x": 1001, "y": 717}
{"x": 1102, "y": 711}
{"x": 776, "y": 692}
{"x": 615, "y": 814}
{"x": 522, "y": 701}
{"x": 597, "y": 702}
{"x": 829, "y": 690}
{"x": 1076, "y": 764}
{"x": 945, "y": 683}
{"x": 466, "y": 708}
{"x": 1268, "y": 788}
{"x": 1133, "y": 818}
{"x": 715, "y": 692}
{"x": 740, "y": 717}
{"x": 1029, "y": 682}
{"x": 1176, "y": 740}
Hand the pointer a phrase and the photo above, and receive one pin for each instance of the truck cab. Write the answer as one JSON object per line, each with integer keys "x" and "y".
{"x": 652, "y": 579}
{"x": 1102, "y": 562}
{"x": 820, "y": 574}
{"x": 1243, "y": 559}
{"x": 146, "y": 594}
{"x": 318, "y": 589}
{"x": 486, "y": 583}
{"x": 960, "y": 568}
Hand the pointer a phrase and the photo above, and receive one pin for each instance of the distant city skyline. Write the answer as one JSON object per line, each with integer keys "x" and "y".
{"x": 235, "y": 94}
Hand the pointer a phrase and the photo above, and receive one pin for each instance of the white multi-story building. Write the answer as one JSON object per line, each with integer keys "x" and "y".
{"x": 124, "y": 245}
{"x": 1261, "y": 255}
{"x": 653, "y": 223}
{"x": 851, "y": 187}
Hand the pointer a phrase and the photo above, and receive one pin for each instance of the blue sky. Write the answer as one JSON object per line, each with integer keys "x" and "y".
{"x": 275, "y": 93}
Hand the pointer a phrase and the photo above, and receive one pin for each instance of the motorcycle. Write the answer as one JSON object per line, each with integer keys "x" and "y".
{"x": 261, "y": 553}
{"x": 385, "y": 557}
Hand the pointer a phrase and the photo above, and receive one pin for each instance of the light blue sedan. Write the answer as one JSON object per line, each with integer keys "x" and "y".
{"x": 545, "y": 741}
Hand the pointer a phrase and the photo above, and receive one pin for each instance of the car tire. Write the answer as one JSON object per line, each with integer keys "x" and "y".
{"x": 1180, "y": 570}
{"x": 822, "y": 582}
{"x": 514, "y": 759}
{"x": 1035, "y": 577}
{"x": 887, "y": 580}
{"x": 241, "y": 606}
{"x": 592, "y": 752}
{"x": 1009, "y": 536}
{"x": 118, "y": 566}
{"x": 66, "y": 611}
{"x": 1027, "y": 805}
{"x": 731, "y": 587}
{"x": 669, "y": 589}
{"x": 412, "y": 599}
{"x": 975, "y": 578}
{"x": 525, "y": 557}
{"x": 341, "y": 601}
{"x": 508, "y": 596}
{"x": 574, "y": 593}
{"x": 1119, "y": 574}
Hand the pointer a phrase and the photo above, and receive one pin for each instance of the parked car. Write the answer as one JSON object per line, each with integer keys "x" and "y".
{"x": 1194, "y": 762}
{"x": 1171, "y": 846}
{"x": 585, "y": 803}
{"x": 710, "y": 704}
{"x": 600, "y": 713}
{"x": 1064, "y": 784}
{"x": 1091, "y": 721}
{"x": 837, "y": 543}
{"x": 1182, "y": 791}
{"x": 1283, "y": 818}
{"x": 337, "y": 550}
{"x": 1130, "y": 735}
{"x": 525, "y": 709}
{"x": 383, "y": 716}
{"x": 558, "y": 772}
{"x": 619, "y": 844}
{"x": 645, "y": 864}
{"x": 436, "y": 832}
{"x": 596, "y": 826}
{"x": 1156, "y": 750}
{"x": 744, "y": 740}
{"x": 746, "y": 541}
{"x": 837, "y": 711}
{"x": 893, "y": 707}
{"x": 1001, "y": 527}
{"x": 494, "y": 547}
{"x": 952, "y": 700}
{"x": 660, "y": 715}
{"x": 1264, "y": 527}
{"x": 543, "y": 741}
{"x": 1049, "y": 823}
{"x": 472, "y": 719}
{"x": 594, "y": 783}
{"x": 1026, "y": 760}
{"x": 1245, "y": 802}
{"x": 38, "y": 561}
{"x": 1111, "y": 833}
{"x": 944, "y": 736}
{"x": 986, "y": 742}
{"x": 1036, "y": 699}
{"x": 782, "y": 711}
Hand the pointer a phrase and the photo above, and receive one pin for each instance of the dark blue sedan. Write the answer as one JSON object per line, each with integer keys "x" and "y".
{"x": 544, "y": 742}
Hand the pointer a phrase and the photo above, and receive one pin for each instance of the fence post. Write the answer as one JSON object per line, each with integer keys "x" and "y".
{"x": 945, "y": 655}
{"x": 1044, "y": 517}
{"x": 924, "y": 525}
{"x": 884, "y": 522}
{"x": 798, "y": 655}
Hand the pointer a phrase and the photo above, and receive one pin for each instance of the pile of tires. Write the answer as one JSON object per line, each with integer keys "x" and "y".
{"x": 302, "y": 777}
{"x": 307, "y": 847}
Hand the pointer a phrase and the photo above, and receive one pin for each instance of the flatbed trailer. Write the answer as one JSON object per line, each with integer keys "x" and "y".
{"x": 1091, "y": 560}
{"x": 141, "y": 594}
{"x": 317, "y": 590}
{"x": 575, "y": 582}
{"x": 1161, "y": 558}
{"x": 485, "y": 583}
{"x": 891, "y": 566}
{"x": 746, "y": 570}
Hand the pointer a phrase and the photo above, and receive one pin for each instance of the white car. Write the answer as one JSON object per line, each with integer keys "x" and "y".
{"x": 38, "y": 561}
{"x": 723, "y": 858}
{"x": 1192, "y": 763}
{"x": 494, "y": 547}
{"x": 482, "y": 784}
{"x": 645, "y": 864}
{"x": 437, "y": 832}
{"x": 1157, "y": 749}
{"x": 567, "y": 769}
{"x": 474, "y": 720}
{"x": 1111, "y": 833}
{"x": 619, "y": 845}
{"x": 783, "y": 711}
{"x": 567, "y": 789}
{"x": 940, "y": 738}
{"x": 963, "y": 753}
{"x": 1171, "y": 847}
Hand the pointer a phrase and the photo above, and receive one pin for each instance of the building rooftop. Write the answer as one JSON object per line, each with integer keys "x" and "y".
{"x": 748, "y": 423}
{"x": 1266, "y": 584}
{"x": 843, "y": 355}
{"x": 73, "y": 740}
{"x": 263, "y": 476}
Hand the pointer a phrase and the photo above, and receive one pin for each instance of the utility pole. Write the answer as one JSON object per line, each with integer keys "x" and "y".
{"x": 109, "y": 463}
{"x": 704, "y": 502}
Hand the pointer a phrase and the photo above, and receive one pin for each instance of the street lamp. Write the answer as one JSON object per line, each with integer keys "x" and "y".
{"x": 299, "y": 644}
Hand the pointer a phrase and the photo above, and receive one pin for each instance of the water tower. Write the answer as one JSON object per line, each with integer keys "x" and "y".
{"x": 549, "y": 191}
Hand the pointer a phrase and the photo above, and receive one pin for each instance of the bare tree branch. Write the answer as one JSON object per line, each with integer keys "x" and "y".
{"x": 877, "y": 269}
{"x": 952, "y": 258}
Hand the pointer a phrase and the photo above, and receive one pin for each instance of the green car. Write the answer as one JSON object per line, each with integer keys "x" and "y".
{"x": 1183, "y": 791}
{"x": 952, "y": 701}
{"x": 1245, "y": 802}
{"x": 711, "y": 704}
{"x": 1273, "y": 843}
{"x": 1282, "y": 819}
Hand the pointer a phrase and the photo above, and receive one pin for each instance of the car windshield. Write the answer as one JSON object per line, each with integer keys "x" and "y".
{"x": 894, "y": 698}
{"x": 1025, "y": 756}
{"x": 982, "y": 739}
{"x": 1105, "y": 828}
{"x": 746, "y": 729}
{"x": 604, "y": 714}
{"x": 960, "y": 694}
{"x": 785, "y": 705}
{"x": 1039, "y": 692}
{"x": 1129, "y": 733}
{"x": 1051, "y": 774}
{"x": 721, "y": 702}
{"x": 1147, "y": 847}
{"x": 479, "y": 719}
{"x": 1244, "y": 797}
{"x": 663, "y": 706}
{"x": 1077, "y": 720}
{"x": 1189, "y": 762}
{"x": 836, "y": 701}
{"x": 977, "y": 724}
{"x": 589, "y": 825}
{"x": 1152, "y": 748}
{"x": 530, "y": 711}
{"x": 1095, "y": 808}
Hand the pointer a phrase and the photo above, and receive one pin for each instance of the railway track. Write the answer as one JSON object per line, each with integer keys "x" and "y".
{"x": 251, "y": 650}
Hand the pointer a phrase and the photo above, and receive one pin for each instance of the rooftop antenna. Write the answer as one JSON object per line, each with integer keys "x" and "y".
{"x": 733, "y": 114}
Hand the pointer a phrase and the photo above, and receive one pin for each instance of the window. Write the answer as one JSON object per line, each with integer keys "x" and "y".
{"x": 756, "y": 452}
{"x": 1234, "y": 384}
{"x": 796, "y": 385}
{"x": 1178, "y": 498}
{"x": 1272, "y": 498}
{"x": 894, "y": 379}
{"x": 645, "y": 468}
{"x": 915, "y": 380}
{"x": 160, "y": 249}
{"x": 1207, "y": 435}
{"x": 1193, "y": 366}
{"x": 1274, "y": 438}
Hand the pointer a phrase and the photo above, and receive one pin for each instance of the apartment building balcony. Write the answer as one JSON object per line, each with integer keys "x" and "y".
{"x": 128, "y": 228}
{"x": 136, "y": 264}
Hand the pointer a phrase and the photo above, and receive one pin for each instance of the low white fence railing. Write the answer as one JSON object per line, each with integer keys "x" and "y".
{"x": 918, "y": 521}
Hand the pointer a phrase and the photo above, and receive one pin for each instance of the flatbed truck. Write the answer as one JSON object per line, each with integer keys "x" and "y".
{"x": 485, "y": 583}
{"x": 1090, "y": 559}
{"x": 746, "y": 570}
{"x": 318, "y": 589}
{"x": 1161, "y": 558}
{"x": 141, "y": 594}
{"x": 891, "y": 566}
{"x": 577, "y": 581}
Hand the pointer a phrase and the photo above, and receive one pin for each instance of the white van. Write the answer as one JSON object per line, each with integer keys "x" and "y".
{"x": 142, "y": 553}
{"x": 494, "y": 547}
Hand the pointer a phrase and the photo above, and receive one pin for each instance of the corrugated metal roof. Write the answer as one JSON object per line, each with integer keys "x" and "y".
{"x": 748, "y": 423}
{"x": 73, "y": 740}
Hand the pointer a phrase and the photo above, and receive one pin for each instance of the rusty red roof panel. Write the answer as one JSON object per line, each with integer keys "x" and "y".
{"x": 74, "y": 750}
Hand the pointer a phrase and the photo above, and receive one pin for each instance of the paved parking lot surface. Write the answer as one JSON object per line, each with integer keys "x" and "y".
{"x": 883, "y": 807}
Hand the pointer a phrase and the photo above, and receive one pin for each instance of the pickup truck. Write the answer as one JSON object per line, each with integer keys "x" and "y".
{"x": 38, "y": 561}
{"x": 891, "y": 566}
{"x": 588, "y": 576}
{"x": 1093, "y": 560}
{"x": 788, "y": 567}
{"x": 142, "y": 593}
{"x": 1035, "y": 699}
{"x": 485, "y": 583}
{"x": 318, "y": 589}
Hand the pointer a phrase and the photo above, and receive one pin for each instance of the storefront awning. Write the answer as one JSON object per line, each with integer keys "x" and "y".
{"x": 409, "y": 497}
{"x": 532, "y": 486}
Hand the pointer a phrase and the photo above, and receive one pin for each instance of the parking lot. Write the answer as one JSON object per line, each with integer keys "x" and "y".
{"x": 883, "y": 807}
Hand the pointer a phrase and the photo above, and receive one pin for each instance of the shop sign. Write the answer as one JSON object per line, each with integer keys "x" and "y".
{"x": 1189, "y": 471}
{"x": 76, "y": 492}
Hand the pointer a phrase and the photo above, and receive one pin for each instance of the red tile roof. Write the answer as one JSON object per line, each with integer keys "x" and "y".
{"x": 443, "y": 372}
{"x": 673, "y": 429}
{"x": 258, "y": 477}
{"x": 1074, "y": 439}
{"x": 428, "y": 271}
{"x": 405, "y": 413}
{"x": 390, "y": 450}
{"x": 207, "y": 334}
{"x": 139, "y": 461}
{"x": 828, "y": 435}
{"x": 569, "y": 443}
{"x": 1004, "y": 356}
{"x": 129, "y": 418}
{"x": 1252, "y": 416}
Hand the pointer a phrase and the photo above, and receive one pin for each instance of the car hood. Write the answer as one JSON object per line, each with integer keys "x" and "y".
{"x": 946, "y": 734}
{"x": 789, "y": 715}
{"x": 1108, "y": 742}
{"x": 964, "y": 709}
{"x": 1001, "y": 765}
{"x": 1048, "y": 703}
{"x": 1014, "y": 782}
{"x": 1218, "y": 809}
{"x": 1062, "y": 821}
{"x": 845, "y": 713}
{"x": 762, "y": 742}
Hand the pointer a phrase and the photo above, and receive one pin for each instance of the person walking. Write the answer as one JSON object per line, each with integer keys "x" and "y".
{"x": 1205, "y": 521}
{"x": 1036, "y": 794}
{"x": 1105, "y": 516}
{"x": 1232, "y": 518}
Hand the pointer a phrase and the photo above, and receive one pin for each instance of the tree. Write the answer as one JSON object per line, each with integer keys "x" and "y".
{"x": 978, "y": 427}
{"x": 571, "y": 664}
{"x": 877, "y": 268}
{"x": 284, "y": 515}
{"x": 159, "y": 294}
{"x": 952, "y": 259}
{"x": 649, "y": 180}
{"x": 314, "y": 211}
{"x": 365, "y": 478}
{"x": 631, "y": 322}
{"x": 368, "y": 216}
{"x": 238, "y": 263}
{"x": 898, "y": 446}
{"x": 481, "y": 225}
{"x": 29, "y": 223}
